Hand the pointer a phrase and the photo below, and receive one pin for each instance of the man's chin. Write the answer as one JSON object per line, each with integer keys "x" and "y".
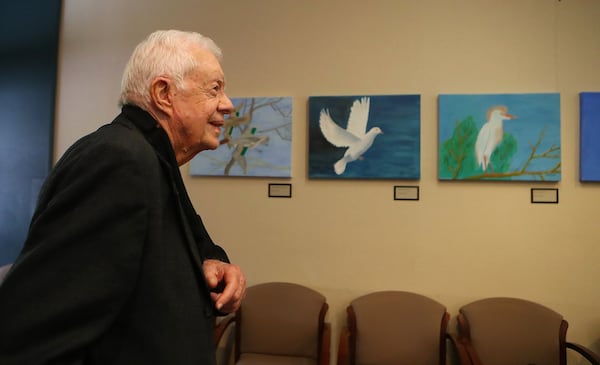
{"x": 213, "y": 144}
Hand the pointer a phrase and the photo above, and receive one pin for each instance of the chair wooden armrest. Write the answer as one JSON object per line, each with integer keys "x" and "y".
{"x": 325, "y": 344}
{"x": 585, "y": 352}
{"x": 459, "y": 349}
{"x": 221, "y": 326}
{"x": 344, "y": 347}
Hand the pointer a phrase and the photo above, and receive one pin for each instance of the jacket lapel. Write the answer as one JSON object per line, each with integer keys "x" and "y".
{"x": 157, "y": 137}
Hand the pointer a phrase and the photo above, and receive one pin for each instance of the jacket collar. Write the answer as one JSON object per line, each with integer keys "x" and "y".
{"x": 155, "y": 135}
{"x": 158, "y": 138}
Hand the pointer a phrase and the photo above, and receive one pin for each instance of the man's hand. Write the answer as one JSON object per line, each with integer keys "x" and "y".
{"x": 227, "y": 283}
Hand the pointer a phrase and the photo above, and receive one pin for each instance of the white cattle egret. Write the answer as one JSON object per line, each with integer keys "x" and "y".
{"x": 355, "y": 136}
{"x": 490, "y": 135}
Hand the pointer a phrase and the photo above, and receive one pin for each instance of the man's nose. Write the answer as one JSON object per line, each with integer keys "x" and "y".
{"x": 226, "y": 105}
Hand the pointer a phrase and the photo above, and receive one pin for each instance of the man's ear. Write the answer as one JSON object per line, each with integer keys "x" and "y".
{"x": 160, "y": 93}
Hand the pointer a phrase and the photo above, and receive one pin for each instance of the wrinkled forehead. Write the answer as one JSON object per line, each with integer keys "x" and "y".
{"x": 208, "y": 65}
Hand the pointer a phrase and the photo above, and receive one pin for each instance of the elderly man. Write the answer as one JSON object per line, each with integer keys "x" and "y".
{"x": 118, "y": 267}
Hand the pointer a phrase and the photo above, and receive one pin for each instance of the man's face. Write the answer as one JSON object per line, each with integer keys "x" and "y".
{"x": 199, "y": 110}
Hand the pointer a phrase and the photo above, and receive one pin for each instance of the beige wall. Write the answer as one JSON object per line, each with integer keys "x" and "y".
{"x": 461, "y": 241}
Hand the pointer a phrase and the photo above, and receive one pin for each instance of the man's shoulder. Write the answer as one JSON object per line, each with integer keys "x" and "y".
{"x": 120, "y": 132}
{"x": 118, "y": 140}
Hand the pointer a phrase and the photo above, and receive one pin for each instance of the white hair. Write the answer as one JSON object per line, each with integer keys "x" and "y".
{"x": 164, "y": 53}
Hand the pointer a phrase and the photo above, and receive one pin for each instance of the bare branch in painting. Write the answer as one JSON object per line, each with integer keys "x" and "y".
{"x": 553, "y": 152}
{"x": 248, "y": 136}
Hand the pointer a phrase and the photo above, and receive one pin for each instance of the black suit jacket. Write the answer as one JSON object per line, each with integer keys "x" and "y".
{"x": 111, "y": 270}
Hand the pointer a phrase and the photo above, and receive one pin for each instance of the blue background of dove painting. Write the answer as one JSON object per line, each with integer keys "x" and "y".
{"x": 395, "y": 154}
{"x": 537, "y": 120}
{"x": 272, "y": 118}
{"x": 589, "y": 135}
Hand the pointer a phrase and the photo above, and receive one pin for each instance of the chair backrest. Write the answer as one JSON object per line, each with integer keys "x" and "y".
{"x": 397, "y": 327}
{"x": 500, "y": 331}
{"x": 281, "y": 319}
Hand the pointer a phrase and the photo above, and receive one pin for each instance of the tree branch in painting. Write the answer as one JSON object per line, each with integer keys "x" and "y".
{"x": 241, "y": 134}
{"x": 458, "y": 161}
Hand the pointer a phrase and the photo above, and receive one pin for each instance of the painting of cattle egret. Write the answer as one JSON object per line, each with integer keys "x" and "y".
{"x": 365, "y": 137}
{"x": 499, "y": 137}
{"x": 256, "y": 141}
{"x": 589, "y": 153}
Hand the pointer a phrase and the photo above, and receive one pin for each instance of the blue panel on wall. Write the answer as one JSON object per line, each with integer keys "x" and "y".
{"x": 28, "y": 65}
{"x": 589, "y": 154}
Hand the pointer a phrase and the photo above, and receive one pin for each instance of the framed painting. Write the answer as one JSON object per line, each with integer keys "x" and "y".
{"x": 499, "y": 137}
{"x": 257, "y": 141}
{"x": 364, "y": 137}
{"x": 589, "y": 135}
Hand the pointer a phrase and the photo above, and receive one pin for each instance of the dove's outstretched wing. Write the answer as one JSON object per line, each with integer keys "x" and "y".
{"x": 359, "y": 115}
{"x": 336, "y": 135}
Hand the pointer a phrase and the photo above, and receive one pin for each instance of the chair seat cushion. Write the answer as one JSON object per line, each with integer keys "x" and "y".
{"x": 262, "y": 359}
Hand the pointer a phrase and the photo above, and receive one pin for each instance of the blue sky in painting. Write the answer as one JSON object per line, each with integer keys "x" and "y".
{"x": 395, "y": 154}
{"x": 535, "y": 112}
{"x": 590, "y": 135}
{"x": 272, "y": 159}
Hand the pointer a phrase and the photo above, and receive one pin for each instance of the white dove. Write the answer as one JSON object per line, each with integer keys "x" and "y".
{"x": 355, "y": 136}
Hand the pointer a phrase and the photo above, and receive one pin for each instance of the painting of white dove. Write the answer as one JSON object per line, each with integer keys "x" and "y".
{"x": 365, "y": 136}
{"x": 355, "y": 137}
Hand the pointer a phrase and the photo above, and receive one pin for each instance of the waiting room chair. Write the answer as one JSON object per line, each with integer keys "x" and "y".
{"x": 395, "y": 327}
{"x": 224, "y": 338}
{"x": 282, "y": 324}
{"x": 505, "y": 331}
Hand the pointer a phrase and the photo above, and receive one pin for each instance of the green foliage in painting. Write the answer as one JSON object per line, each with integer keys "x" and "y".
{"x": 502, "y": 155}
{"x": 457, "y": 154}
